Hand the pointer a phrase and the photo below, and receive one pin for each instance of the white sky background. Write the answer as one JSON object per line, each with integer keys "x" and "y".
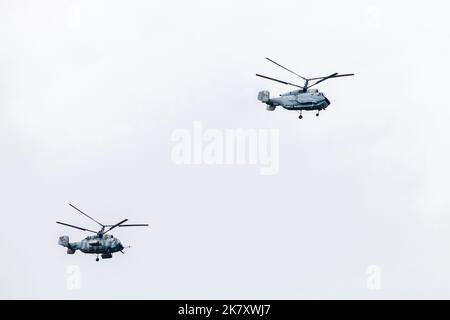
{"x": 90, "y": 92}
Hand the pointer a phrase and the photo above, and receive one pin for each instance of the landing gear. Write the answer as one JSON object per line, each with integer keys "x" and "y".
{"x": 97, "y": 259}
{"x": 300, "y": 116}
{"x": 317, "y": 114}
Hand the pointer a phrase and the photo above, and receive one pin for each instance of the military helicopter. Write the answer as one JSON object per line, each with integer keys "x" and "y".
{"x": 100, "y": 243}
{"x": 299, "y": 100}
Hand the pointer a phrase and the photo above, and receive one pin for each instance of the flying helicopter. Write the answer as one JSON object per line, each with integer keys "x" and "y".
{"x": 100, "y": 243}
{"x": 303, "y": 99}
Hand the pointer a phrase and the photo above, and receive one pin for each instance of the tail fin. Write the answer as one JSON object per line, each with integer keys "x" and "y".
{"x": 64, "y": 241}
{"x": 264, "y": 96}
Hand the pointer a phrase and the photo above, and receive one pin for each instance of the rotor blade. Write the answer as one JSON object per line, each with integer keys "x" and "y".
{"x": 85, "y": 214}
{"x": 344, "y": 75}
{"x": 286, "y": 68}
{"x": 117, "y": 224}
{"x": 326, "y": 78}
{"x": 134, "y": 225}
{"x": 336, "y": 76}
{"x": 69, "y": 225}
{"x": 281, "y": 81}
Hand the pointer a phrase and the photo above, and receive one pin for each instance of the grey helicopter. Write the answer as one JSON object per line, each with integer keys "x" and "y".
{"x": 101, "y": 243}
{"x": 299, "y": 100}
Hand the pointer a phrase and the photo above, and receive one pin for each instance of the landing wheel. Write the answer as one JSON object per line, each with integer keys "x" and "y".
{"x": 97, "y": 259}
{"x": 300, "y": 117}
{"x": 317, "y": 114}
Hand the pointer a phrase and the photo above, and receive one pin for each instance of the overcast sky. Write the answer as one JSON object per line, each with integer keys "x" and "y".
{"x": 91, "y": 92}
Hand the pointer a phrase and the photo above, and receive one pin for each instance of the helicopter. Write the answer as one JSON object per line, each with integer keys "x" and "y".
{"x": 101, "y": 243}
{"x": 303, "y": 99}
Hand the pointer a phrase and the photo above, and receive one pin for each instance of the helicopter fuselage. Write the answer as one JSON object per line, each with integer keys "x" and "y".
{"x": 105, "y": 245}
{"x": 96, "y": 244}
{"x": 300, "y": 100}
